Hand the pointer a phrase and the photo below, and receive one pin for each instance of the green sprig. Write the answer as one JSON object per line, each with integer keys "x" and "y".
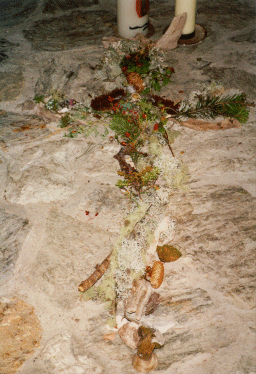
{"x": 212, "y": 106}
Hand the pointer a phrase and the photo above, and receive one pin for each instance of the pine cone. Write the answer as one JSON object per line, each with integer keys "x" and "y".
{"x": 135, "y": 80}
{"x": 157, "y": 274}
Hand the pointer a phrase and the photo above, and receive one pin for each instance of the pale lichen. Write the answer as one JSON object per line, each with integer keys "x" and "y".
{"x": 129, "y": 256}
{"x": 172, "y": 170}
{"x": 130, "y": 265}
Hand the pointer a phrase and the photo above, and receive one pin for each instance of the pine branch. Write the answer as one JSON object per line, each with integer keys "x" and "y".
{"x": 123, "y": 125}
{"x": 211, "y": 106}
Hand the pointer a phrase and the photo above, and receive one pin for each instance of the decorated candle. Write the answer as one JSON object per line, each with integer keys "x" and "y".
{"x": 189, "y": 7}
{"x": 132, "y": 17}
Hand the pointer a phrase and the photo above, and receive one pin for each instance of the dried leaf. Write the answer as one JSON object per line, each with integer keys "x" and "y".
{"x": 201, "y": 125}
{"x": 167, "y": 253}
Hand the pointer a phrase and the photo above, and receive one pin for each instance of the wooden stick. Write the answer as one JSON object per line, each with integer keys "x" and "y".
{"x": 95, "y": 276}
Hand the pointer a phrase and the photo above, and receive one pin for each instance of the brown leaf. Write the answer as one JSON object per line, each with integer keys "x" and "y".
{"x": 201, "y": 125}
{"x": 167, "y": 253}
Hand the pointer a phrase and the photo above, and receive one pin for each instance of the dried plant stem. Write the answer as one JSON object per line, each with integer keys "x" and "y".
{"x": 95, "y": 276}
{"x": 169, "y": 145}
{"x": 90, "y": 147}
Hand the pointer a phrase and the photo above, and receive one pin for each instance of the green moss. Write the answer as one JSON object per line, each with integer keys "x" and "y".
{"x": 65, "y": 120}
{"x": 131, "y": 221}
{"x": 91, "y": 294}
{"x": 149, "y": 174}
{"x": 107, "y": 288}
{"x": 39, "y": 99}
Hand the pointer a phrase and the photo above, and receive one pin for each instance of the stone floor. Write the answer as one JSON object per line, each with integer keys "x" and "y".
{"x": 48, "y": 183}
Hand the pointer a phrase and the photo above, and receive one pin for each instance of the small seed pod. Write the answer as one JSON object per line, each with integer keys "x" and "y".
{"x": 157, "y": 274}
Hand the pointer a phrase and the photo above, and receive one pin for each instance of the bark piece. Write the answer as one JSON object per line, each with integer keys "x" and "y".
{"x": 151, "y": 254}
{"x": 109, "y": 337}
{"x": 170, "y": 39}
{"x": 129, "y": 334}
{"x": 144, "y": 366}
{"x": 135, "y": 304}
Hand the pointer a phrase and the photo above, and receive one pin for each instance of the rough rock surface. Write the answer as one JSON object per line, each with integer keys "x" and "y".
{"x": 12, "y": 84}
{"x": 13, "y": 230}
{"x": 50, "y": 6}
{"x": 71, "y": 31}
{"x": 61, "y": 212}
{"x": 20, "y": 333}
{"x": 4, "y": 47}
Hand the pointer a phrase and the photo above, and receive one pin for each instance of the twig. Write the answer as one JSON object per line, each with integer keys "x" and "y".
{"x": 95, "y": 276}
{"x": 169, "y": 145}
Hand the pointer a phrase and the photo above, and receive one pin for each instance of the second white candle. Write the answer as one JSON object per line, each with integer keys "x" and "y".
{"x": 189, "y": 7}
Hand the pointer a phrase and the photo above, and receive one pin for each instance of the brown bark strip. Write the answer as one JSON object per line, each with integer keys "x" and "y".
{"x": 124, "y": 166}
{"x": 95, "y": 276}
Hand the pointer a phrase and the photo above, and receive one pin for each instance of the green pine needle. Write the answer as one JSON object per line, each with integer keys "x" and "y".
{"x": 212, "y": 106}
{"x": 121, "y": 126}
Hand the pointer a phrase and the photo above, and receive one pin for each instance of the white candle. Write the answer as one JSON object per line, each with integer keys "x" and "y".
{"x": 132, "y": 17}
{"x": 189, "y": 7}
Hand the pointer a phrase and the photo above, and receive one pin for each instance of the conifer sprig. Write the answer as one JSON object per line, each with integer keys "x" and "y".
{"x": 212, "y": 106}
